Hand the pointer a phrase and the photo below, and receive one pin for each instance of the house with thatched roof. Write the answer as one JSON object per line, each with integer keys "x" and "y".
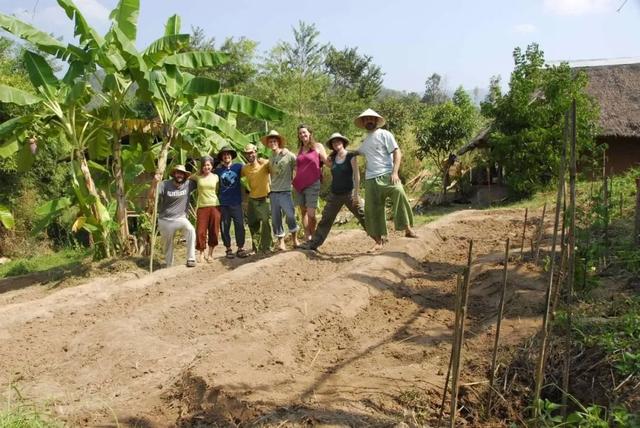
{"x": 615, "y": 84}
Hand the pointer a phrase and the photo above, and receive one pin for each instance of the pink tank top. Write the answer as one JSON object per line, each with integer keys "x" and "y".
{"x": 307, "y": 169}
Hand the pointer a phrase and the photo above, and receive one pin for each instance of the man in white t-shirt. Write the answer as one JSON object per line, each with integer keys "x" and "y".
{"x": 382, "y": 181}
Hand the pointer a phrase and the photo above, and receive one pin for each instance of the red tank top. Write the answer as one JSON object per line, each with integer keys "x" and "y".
{"x": 307, "y": 169}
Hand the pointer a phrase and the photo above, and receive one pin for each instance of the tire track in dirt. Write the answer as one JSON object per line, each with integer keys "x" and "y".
{"x": 335, "y": 336}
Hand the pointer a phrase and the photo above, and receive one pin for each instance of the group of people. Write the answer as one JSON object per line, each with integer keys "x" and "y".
{"x": 275, "y": 184}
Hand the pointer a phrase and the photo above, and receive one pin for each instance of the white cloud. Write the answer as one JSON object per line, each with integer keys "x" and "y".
{"x": 579, "y": 7}
{"x": 525, "y": 28}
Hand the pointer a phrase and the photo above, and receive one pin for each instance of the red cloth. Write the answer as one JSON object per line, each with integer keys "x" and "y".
{"x": 207, "y": 222}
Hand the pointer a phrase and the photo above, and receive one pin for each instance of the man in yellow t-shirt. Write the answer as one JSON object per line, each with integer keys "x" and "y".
{"x": 258, "y": 212}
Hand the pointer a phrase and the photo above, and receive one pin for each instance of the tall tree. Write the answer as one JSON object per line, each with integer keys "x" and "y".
{"x": 351, "y": 71}
{"x": 528, "y": 120}
{"x": 434, "y": 91}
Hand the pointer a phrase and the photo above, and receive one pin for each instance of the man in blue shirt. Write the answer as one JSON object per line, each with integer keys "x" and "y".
{"x": 231, "y": 201}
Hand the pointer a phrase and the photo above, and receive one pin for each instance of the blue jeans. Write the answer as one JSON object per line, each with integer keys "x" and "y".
{"x": 282, "y": 202}
{"x": 233, "y": 213}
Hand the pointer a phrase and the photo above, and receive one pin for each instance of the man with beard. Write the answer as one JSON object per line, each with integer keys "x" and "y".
{"x": 382, "y": 181}
{"x": 231, "y": 201}
{"x": 173, "y": 208}
{"x": 258, "y": 212}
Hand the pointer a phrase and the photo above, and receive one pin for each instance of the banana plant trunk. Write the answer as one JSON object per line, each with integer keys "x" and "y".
{"x": 159, "y": 173}
{"x": 121, "y": 198}
{"x": 91, "y": 188}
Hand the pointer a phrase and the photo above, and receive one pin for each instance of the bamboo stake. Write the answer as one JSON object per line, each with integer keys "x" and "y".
{"x": 605, "y": 188}
{"x": 637, "y": 223}
{"x": 498, "y": 324}
{"x": 563, "y": 247}
{"x": 539, "y": 376}
{"x": 524, "y": 232}
{"x": 154, "y": 218}
{"x": 460, "y": 341}
{"x": 540, "y": 233}
{"x": 572, "y": 259}
{"x": 453, "y": 347}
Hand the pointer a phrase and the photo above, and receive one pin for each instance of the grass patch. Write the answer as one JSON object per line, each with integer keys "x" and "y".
{"x": 20, "y": 414}
{"x": 64, "y": 259}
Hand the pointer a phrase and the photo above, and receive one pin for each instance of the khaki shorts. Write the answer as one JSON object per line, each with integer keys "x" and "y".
{"x": 308, "y": 197}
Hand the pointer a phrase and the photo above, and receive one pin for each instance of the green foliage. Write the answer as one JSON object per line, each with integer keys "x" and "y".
{"x": 445, "y": 128}
{"x": 6, "y": 218}
{"x": 352, "y": 72}
{"x": 528, "y": 122}
{"x": 593, "y": 416}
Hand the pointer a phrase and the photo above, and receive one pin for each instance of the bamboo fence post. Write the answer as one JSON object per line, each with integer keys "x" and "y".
{"x": 498, "y": 324}
{"x": 637, "y": 224}
{"x": 460, "y": 341}
{"x": 563, "y": 252}
{"x": 453, "y": 347}
{"x": 154, "y": 218}
{"x": 540, "y": 233}
{"x": 572, "y": 259}
{"x": 524, "y": 232}
{"x": 539, "y": 375}
{"x": 605, "y": 187}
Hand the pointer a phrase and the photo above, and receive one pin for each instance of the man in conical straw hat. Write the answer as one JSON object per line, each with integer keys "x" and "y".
{"x": 173, "y": 208}
{"x": 382, "y": 181}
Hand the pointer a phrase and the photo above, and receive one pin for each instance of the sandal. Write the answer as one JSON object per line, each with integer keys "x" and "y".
{"x": 229, "y": 253}
{"x": 242, "y": 253}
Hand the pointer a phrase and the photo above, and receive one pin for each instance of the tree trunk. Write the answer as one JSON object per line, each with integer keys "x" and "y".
{"x": 159, "y": 173}
{"x": 121, "y": 198}
{"x": 91, "y": 188}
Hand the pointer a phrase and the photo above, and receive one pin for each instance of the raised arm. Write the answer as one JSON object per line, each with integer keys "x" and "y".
{"x": 397, "y": 158}
{"x": 356, "y": 177}
{"x": 321, "y": 152}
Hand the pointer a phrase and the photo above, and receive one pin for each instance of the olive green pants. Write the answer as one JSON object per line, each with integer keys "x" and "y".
{"x": 376, "y": 192}
{"x": 258, "y": 219}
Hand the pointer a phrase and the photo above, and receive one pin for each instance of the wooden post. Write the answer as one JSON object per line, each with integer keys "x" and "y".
{"x": 524, "y": 232}
{"x": 540, "y": 233}
{"x": 539, "y": 375}
{"x": 154, "y": 218}
{"x": 460, "y": 341}
{"x": 572, "y": 260}
{"x": 498, "y": 324}
{"x": 453, "y": 346}
{"x": 637, "y": 225}
{"x": 605, "y": 189}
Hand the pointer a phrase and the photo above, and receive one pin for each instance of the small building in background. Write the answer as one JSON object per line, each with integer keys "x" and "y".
{"x": 615, "y": 85}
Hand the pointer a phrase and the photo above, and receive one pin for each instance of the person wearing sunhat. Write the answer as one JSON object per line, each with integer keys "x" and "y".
{"x": 258, "y": 213}
{"x": 345, "y": 182}
{"x": 382, "y": 181}
{"x": 208, "y": 208}
{"x": 282, "y": 163}
{"x": 173, "y": 208}
{"x": 230, "y": 197}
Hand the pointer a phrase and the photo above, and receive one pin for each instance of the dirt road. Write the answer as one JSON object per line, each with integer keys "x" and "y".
{"x": 339, "y": 337}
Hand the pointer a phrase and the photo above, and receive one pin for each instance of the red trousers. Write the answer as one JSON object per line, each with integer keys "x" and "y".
{"x": 207, "y": 222}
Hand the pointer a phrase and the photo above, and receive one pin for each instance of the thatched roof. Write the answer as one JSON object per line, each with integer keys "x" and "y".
{"x": 616, "y": 87}
{"x": 481, "y": 140}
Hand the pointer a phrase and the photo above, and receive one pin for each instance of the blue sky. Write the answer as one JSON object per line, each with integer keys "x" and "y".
{"x": 466, "y": 41}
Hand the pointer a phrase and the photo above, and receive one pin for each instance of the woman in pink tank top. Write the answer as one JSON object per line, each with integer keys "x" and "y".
{"x": 306, "y": 183}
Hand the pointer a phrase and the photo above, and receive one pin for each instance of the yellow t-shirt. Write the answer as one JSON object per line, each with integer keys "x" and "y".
{"x": 257, "y": 178}
{"x": 207, "y": 190}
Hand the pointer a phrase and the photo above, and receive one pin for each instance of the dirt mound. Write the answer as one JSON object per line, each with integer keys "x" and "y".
{"x": 338, "y": 337}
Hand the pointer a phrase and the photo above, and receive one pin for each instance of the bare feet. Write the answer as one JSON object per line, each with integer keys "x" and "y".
{"x": 281, "y": 246}
{"x": 200, "y": 256}
{"x": 379, "y": 245}
{"x": 410, "y": 233}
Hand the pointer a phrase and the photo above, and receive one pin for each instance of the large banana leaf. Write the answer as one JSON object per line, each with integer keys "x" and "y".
{"x": 129, "y": 51}
{"x": 99, "y": 146}
{"x": 163, "y": 47}
{"x": 87, "y": 35}
{"x": 40, "y": 72}
{"x": 42, "y": 40}
{"x": 48, "y": 211}
{"x": 172, "y": 26}
{"x": 197, "y": 59}
{"x": 75, "y": 70}
{"x": 245, "y": 105}
{"x": 201, "y": 86}
{"x": 8, "y": 147}
{"x": 211, "y": 120}
{"x": 125, "y": 16}
{"x": 6, "y": 218}
{"x": 17, "y": 96}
